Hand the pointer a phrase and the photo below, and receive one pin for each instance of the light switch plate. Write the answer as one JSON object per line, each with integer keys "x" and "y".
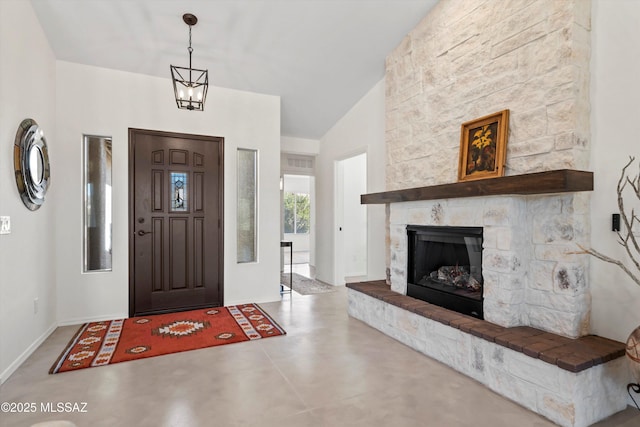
{"x": 5, "y": 224}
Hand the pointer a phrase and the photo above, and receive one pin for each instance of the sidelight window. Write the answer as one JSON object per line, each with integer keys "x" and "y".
{"x": 97, "y": 203}
{"x": 247, "y": 205}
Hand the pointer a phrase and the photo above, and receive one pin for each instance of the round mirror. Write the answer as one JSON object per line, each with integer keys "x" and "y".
{"x": 36, "y": 164}
{"x": 31, "y": 163}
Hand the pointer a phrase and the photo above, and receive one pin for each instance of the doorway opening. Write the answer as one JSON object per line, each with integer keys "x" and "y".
{"x": 351, "y": 220}
{"x": 299, "y": 223}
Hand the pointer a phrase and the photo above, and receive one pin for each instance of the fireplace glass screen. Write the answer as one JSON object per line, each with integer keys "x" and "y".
{"x": 445, "y": 267}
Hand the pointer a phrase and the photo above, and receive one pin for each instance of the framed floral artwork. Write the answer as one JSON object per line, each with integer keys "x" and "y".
{"x": 483, "y": 147}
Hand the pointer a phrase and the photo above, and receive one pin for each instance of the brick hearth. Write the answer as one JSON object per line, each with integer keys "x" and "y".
{"x": 573, "y": 355}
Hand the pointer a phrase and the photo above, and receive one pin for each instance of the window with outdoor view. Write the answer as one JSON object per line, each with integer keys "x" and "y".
{"x": 296, "y": 213}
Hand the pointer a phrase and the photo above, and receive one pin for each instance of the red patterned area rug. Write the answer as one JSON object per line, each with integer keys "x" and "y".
{"x": 102, "y": 343}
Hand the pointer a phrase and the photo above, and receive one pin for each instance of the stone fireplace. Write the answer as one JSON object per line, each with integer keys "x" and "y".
{"x": 463, "y": 61}
{"x": 533, "y": 345}
{"x": 534, "y": 61}
{"x": 531, "y": 278}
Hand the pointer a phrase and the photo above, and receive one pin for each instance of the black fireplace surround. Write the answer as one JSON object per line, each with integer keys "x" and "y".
{"x": 445, "y": 267}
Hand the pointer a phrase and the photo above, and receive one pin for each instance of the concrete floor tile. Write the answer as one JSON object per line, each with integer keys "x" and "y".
{"x": 329, "y": 370}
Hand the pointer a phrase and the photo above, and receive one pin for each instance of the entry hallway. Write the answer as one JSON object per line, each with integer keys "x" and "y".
{"x": 330, "y": 370}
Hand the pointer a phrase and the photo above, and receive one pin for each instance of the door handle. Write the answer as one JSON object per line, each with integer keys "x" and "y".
{"x": 142, "y": 232}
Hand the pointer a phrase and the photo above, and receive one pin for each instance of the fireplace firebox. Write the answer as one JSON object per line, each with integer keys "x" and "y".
{"x": 445, "y": 267}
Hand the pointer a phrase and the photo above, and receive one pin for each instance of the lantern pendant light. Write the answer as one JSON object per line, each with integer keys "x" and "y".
{"x": 190, "y": 84}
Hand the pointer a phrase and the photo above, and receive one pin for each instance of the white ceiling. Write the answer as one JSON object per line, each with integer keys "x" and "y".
{"x": 320, "y": 56}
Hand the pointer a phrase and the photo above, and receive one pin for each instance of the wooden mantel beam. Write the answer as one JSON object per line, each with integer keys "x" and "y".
{"x": 556, "y": 181}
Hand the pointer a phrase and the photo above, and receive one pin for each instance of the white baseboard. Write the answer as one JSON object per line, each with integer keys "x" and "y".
{"x": 29, "y": 351}
{"x": 25, "y": 354}
{"x": 83, "y": 320}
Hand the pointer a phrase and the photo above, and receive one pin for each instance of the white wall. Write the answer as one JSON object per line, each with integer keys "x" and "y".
{"x": 360, "y": 130}
{"x": 27, "y": 267}
{"x": 297, "y": 184}
{"x": 304, "y": 146}
{"x": 107, "y": 102}
{"x": 615, "y": 91}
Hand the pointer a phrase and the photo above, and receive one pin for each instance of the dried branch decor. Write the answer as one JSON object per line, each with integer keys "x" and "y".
{"x": 626, "y": 238}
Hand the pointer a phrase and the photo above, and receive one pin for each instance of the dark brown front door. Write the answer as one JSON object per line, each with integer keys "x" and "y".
{"x": 175, "y": 222}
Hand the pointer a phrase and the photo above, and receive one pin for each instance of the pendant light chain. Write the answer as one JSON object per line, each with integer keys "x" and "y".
{"x": 190, "y": 52}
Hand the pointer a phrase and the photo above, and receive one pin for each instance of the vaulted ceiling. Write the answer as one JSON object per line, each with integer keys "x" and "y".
{"x": 319, "y": 56}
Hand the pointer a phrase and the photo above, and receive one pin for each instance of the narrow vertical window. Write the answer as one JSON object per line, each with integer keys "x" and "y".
{"x": 247, "y": 196}
{"x": 97, "y": 203}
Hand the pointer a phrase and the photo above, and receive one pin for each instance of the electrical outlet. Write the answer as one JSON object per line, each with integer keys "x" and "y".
{"x": 35, "y": 306}
{"x": 5, "y": 224}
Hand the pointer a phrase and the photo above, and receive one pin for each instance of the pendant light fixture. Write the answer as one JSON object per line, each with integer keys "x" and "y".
{"x": 189, "y": 84}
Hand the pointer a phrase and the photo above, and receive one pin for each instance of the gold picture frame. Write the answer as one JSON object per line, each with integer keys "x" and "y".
{"x": 483, "y": 147}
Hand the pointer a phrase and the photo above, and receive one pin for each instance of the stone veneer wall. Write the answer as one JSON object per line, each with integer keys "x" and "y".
{"x": 471, "y": 58}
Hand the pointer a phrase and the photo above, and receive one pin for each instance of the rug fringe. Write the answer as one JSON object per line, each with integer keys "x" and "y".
{"x": 282, "y": 331}
{"x": 67, "y": 349}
